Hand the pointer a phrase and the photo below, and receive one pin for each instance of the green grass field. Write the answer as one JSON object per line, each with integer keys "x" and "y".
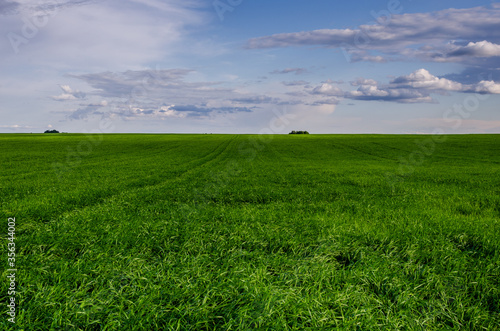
{"x": 237, "y": 232}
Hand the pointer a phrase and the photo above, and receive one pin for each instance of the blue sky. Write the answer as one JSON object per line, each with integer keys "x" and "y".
{"x": 241, "y": 66}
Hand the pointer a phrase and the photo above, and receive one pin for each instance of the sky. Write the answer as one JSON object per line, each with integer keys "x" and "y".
{"x": 250, "y": 66}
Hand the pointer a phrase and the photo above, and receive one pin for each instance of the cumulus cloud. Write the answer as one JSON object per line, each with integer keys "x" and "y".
{"x": 327, "y": 89}
{"x": 468, "y": 36}
{"x": 425, "y": 80}
{"x": 416, "y": 87}
{"x": 69, "y": 94}
{"x": 480, "y": 49}
{"x": 401, "y": 95}
{"x": 161, "y": 112}
{"x": 489, "y": 87}
{"x": 167, "y": 111}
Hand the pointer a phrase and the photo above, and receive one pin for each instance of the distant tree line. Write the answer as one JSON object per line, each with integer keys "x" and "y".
{"x": 299, "y": 132}
{"x": 51, "y": 131}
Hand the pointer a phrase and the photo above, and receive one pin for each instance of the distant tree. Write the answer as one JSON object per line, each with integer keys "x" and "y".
{"x": 51, "y": 131}
{"x": 299, "y": 132}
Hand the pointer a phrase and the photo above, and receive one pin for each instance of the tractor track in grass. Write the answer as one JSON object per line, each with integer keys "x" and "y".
{"x": 433, "y": 154}
{"x": 391, "y": 147}
{"x": 114, "y": 162}
{"x": 208, "y": 159}
{"x": 464, "y": 159}
{"x": 280, "y": 157}
{"x": 366, "y": 153}
{"x": 190, "y": 170}
{"x": 187, "y": 170}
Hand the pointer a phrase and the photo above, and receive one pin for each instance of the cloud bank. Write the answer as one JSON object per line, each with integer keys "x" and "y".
{"x": 467, "y": 36}
{"x": 416, "y": 87}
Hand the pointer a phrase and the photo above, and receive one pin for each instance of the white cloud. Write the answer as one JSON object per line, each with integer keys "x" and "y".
{"x": 150, "y": 92}
{"x": 415, "y": 87}
{"x": 167, "y": 111}
{"x": 487, "y": 87}
{"x": 480, "y": 49}
{"x": 327, "y": 89}
{"x": 401, "y": 30}
{"x": 162, "y": 93}
{"x": 397, "y": 39}
{"x": 425, "y": 80}
{"x": 161, "y": 112}
{"x": 386, "y": 93}
{"x": 69, "y": 94}
{"x": 369, "y": 91}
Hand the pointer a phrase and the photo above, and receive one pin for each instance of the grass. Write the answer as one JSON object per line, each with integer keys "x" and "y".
{"x": 237, "y": 232}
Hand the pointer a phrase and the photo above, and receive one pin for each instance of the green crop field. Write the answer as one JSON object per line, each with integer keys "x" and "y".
{"x": 237, "y": 232}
